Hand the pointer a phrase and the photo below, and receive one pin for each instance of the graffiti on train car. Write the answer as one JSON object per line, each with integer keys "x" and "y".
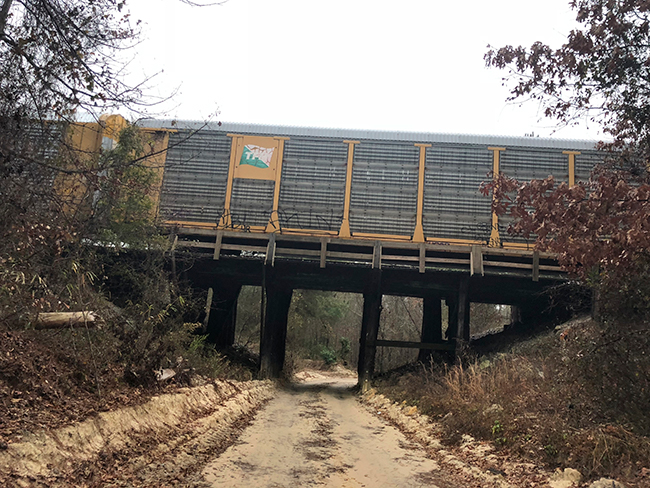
{"x": 354, "y": 184}
{"x": 299, "y": 218}
{"x": 479, "y": 231}
{"x": 232, "y": 222}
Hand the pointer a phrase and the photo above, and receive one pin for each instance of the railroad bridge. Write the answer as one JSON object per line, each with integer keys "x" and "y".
{"x": 378, "y": 213}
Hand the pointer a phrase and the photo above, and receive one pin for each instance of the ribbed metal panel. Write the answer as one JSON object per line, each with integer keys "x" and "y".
{"x": 384, "y": 179}
{"x": 196, "y": 173}
{"x": 453, "y": 206}
{"x": 384, "y": 188}
{"x": 251, "y": 203}
{"x": 32, "y": 145}
{"x": 43, "y": 140}
{"x": 312, "y": 191}
{"x": 525, "y": 164}
{"x": 585, "y": 163}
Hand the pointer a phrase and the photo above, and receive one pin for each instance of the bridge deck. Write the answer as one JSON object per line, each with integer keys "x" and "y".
{"x": 373, "y": 254}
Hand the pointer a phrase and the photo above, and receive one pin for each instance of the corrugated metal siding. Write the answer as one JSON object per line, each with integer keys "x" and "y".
{"x": 527, "y": 164}
{"x": 585, "y": 163}
{"x": 44, "y": 140}
{"x": 196, "y": 173}
{"x": 32, "y": 145}
{"x": 453, "y": 206}
{"x": 384, "y": 188}
{"x": 312, "y": 191}
{"x": 384, "y": 184}
{"x": 251, "y": 203}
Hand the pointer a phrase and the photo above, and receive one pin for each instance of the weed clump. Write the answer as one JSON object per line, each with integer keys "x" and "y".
{"x": 566, "y": 406}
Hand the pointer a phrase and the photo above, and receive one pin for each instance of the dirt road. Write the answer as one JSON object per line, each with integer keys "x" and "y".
{"x": 317, "y": 434}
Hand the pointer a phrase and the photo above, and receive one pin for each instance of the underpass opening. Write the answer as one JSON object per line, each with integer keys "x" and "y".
{"x": 249, "y": 313}
{"x": 323, "y": 327}
{"x": 489, "y": 318}
{"x": 401, "y": 320}
{"x": 323, "y": 331}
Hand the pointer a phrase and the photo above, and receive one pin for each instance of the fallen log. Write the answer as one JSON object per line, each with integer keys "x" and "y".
{"x": 61, "y": 320}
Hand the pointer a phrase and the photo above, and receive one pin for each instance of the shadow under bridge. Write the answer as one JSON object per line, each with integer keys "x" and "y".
{"x": 226, "y": 261}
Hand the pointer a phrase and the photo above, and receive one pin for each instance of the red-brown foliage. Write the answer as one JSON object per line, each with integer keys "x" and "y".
{"x": 599, "y": 226}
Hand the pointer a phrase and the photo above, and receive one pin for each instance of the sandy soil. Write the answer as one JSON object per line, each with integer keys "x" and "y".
{"x": 158, "y": 444}
{"x": 316, "y": 433}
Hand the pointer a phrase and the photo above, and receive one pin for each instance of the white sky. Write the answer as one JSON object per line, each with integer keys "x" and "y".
{"x": 409, "y": 65}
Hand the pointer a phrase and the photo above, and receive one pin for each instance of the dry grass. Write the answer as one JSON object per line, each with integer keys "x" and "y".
{"x": 542, "y": 402}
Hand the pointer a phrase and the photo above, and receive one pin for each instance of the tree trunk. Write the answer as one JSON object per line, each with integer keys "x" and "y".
{"x": 61, "y": 320}
{"x": 4, "y": 14}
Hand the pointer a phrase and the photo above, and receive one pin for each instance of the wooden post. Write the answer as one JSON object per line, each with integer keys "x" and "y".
{"x": 452, "y": 322}
{"x": 323, "y": 251}
{"x": 217, "y": 245}
{"x": 431, "y": 324}
{"x": 476, "y": 261}
{"x": 536, "y": 266}
{"x": 208, "y": 307}
{"x": 422, "y": 261}
{"x": 274, "y": 330}
{"x": 369, "y": 329}
{"x": 515, "y": 314}
{"x": 463, "y": 309}
{"x": 222, "y": 316}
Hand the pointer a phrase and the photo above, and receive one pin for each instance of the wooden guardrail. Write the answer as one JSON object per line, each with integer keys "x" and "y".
{"x": 373, "y": 253}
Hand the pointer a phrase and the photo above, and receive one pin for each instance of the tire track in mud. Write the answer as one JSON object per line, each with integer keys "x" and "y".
{"x": 321, "y": 436}
{"x": 160, "y": 443}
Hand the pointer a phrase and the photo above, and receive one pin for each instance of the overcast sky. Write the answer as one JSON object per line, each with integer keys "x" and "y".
{"x": 391, "y": 65}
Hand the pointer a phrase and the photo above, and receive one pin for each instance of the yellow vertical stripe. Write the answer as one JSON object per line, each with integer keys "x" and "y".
{"x": 418, "y": 234}
{"x": 572, "y": 166}
{"x": 274, "y": 221}
{"x": 345, "y": 225}
{"x": 495, "y": 239}
{"x": 226, "y": 221}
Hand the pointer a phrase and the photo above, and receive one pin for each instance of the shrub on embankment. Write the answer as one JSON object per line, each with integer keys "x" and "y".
{"x": 575, "y": 397}
{"x": 98, "y": 250}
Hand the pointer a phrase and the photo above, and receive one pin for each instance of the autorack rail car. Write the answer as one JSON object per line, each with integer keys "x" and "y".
{"x": 393, "y": 186}
{"x": 348, "y": 196}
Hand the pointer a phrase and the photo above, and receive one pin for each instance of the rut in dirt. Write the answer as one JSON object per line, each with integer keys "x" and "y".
{"x": 319, "y": 435}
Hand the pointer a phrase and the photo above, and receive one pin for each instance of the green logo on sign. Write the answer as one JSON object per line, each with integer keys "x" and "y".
{"x": 257, "y": 156}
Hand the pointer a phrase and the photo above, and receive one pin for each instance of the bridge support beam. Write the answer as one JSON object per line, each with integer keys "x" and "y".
{"x": 222, "y": 314}
{"x": 431, "y": 324}
{"x": 458, "y": 303}
{"x": 515, "y": 314}
{"x": 369, "y": 329}
{"x": 274, "y": 327}
{"x": 452, "y": 322}
{"x": 462, "y": 331}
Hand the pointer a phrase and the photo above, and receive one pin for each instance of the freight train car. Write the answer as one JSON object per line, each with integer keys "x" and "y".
{"x": 351, "y": 184}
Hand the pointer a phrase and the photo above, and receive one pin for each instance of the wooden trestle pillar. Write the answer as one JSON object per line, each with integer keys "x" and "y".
{"x": 452, "y": 323}
{"x": 458, "y": 327}
{"x": 431, "y": 324}
{"x": 273, "y": 335}
{"x": 463, "y": 309}
{"x": 369, "y": 329}
{"x": 222, "y": 315}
